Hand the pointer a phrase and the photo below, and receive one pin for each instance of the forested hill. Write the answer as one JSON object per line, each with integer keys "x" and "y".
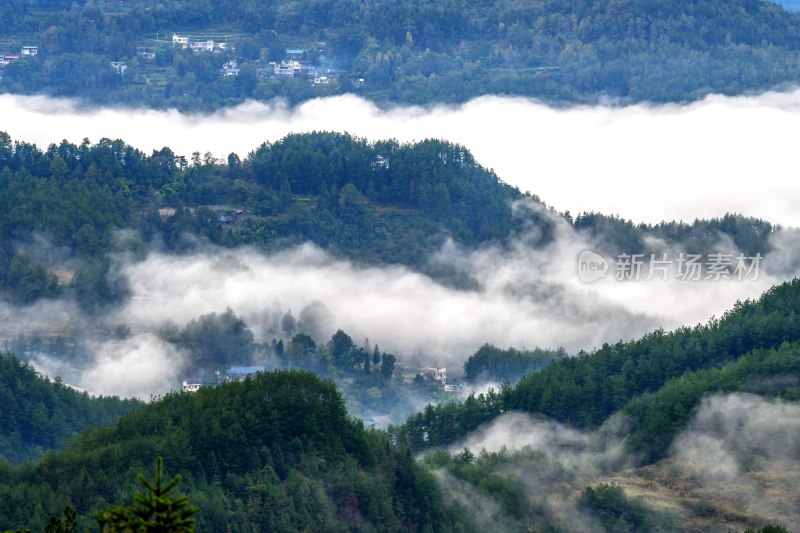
{"x": 276, "y": 452}
{"x": 37, "y": 414}
{"x": 381, "y": 202}
{"x": 658, "y": 379}
{"x": 370, "y": 202}
{"x": 414, "y": 52}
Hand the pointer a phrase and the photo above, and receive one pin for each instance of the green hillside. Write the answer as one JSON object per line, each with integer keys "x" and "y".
{"x": 584, "y": 391}
{"x": 412, "y": 52}
{"x": 629, "y": 412}
{"x": 276, "y": 452}
{"x": 37, "y": 415}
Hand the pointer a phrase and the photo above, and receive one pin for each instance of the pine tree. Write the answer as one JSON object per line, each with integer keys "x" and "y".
{"x": 154, "y": 511}
{"x": 387, "y": 366}
{"x": 68, "y": 525}
{"x": 376, "y": 356}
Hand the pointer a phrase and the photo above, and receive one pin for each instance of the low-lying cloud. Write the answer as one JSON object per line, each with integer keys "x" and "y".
{"x": 135, "y": 367}
{"x": 553, "y": 461}
{"x": 523, "y": 296}
{"x": 744, "y": 449}
{"x": 735, "y": 464}
{"x": 644, "y": 162}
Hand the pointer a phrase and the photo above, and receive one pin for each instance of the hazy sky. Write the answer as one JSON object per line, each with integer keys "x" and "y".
{"x": 642, "y": 162}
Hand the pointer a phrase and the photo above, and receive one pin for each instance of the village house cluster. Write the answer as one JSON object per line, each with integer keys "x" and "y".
{"x": 295, "y": 65}
{"x": 225, "y": 214}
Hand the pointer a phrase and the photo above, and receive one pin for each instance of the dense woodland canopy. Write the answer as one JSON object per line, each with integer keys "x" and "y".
{"x": 249, "y": 460}
{"x": 495, "y": 365}
{"x": 373, "y": 203}
{"x": 276, "y": 452}
{"x": 376, "y": 203}
{"x": 39, "y": 415}
{"x": 413, "y": 52}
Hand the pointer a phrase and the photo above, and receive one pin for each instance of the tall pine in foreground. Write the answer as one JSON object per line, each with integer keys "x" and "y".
{"x": 153, "y": 511}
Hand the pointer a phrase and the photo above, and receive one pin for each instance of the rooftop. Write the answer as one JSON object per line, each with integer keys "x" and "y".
{"x": 243, "y": 370}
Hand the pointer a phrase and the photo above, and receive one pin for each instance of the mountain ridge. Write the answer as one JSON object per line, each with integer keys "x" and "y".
{"x": 414, "y": 52}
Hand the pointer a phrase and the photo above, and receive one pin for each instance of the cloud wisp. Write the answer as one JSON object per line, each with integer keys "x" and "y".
{"x": 524, "y": 296}
{"x": 733, "y": 466}
{"x": 744, "y": 449}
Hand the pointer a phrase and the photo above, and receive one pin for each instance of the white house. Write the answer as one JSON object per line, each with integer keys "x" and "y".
{"x": 203, "y": 46}
{"x": 182, "y": 40}
{"x": 119, "y": 67}
{"x": 29, "y": 51}
{"x": 439, "y": 375}
{"x": 288, "y": 69}
{"x": 191, "y": 385}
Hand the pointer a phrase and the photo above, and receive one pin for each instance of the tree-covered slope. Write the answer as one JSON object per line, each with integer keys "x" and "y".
{"x": 370, "y": 202}
{"x": 657, "y": 418}
{"x": 492, "y": 364}
{"x": 37, "y": 415}
{"x": 276, "y": 452}
{"x": 586, "y": 390}
{"x": 415, "y": 51}
{"x": 381, "y": 202}
{"x": 614, "y": 234}
{"x": 692, "y": 458}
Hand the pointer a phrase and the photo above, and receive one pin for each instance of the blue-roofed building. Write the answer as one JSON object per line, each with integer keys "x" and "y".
{"x": 240, "y": 372}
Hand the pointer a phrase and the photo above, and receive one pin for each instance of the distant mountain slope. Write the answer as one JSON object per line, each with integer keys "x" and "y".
{"x": 276, "y": 452}
{"x": 413, "y": 52}
{"x": 37, "y": 415}
{"x": 586, "y": 390}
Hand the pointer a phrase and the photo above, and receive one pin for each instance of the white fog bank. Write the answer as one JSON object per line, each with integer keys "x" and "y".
{"x": 646, "y": 163}
{"x": 523, "y": 297}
